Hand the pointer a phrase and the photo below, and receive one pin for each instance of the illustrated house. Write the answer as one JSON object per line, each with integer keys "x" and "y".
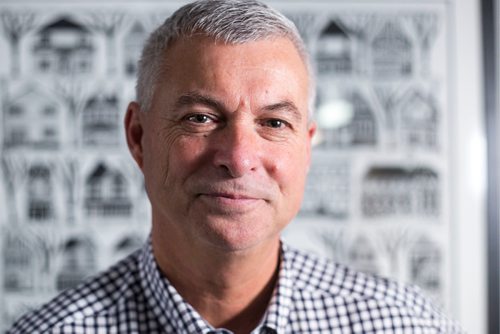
{"x": 64, "y": 47}
{"x": 107, "y": 193}
{"x": 333, "y": 54}
{"x": 426, "y": 194}
{"x": 327, "y": 189}
{"x": 387, "y": 191}
{"x": 361, "y": 129}
{"x": 133, "y": 43}
{"x": 398, "y": 191}
{"x": 20, "y": 260}
{"x": 33, "y": 119}
{"x": 40, "y": 207}
{"x": 418, "y": 121}
{"x": 392, "y": 53}
{"x": 362, "y": 256}
{"x": 425, "y": 264}
{"x": 101, "y": 121}
{"x": 78, "y": 262}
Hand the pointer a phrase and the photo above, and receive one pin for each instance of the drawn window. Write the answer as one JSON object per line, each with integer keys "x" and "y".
{"x": 16, "y": 110}
{"x": 49, "y": 133}
{"x": 18, "y": 136}
{"x": 39, "y": 193}
{"x": 49, "y": 111}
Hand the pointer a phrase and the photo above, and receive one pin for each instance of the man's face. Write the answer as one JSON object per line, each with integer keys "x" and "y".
{"x": 226, "y": 144}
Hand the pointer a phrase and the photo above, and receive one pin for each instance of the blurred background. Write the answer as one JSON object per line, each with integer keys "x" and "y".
{"x": 398, "y": 185}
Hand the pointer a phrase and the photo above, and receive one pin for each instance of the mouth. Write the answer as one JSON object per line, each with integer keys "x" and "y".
{"x": 230, "y": 201}
{"x": 230, "y": 196}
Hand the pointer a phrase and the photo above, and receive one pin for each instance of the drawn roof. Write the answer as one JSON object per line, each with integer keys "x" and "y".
{"x": 333, "y": 29}
{"x": 63, "y": 23}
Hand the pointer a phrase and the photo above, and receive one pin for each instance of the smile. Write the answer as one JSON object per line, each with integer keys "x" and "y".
{"x": 227, "y": 201}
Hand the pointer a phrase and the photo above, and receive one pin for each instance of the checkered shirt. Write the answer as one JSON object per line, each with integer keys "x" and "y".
{"x": 312, "y": 296}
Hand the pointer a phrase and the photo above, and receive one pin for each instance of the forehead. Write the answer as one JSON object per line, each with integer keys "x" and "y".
{"x": 272, "y": 66}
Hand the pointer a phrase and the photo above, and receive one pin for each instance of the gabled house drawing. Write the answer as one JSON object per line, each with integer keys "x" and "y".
{"x": 392, "y": 53}
{"x": 64, "y": 47}
{"x": 78, "y": 262}
{"x": 107, "y": 193}
{"x": 101, "y": 121}
{"x": 33, "y": 119}
{"x": 334, "y": 51}
{"x": 418, "y": 120}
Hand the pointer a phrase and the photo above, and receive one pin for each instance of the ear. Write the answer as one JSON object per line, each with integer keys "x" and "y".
{"x": 311, "y": 131}
{"x": 134, "y": 132}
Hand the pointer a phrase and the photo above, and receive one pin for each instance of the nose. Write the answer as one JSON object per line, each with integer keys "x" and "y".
{"x": 237, "y": 150}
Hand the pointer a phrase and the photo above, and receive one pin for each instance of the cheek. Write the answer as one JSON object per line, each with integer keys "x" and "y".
{"x": 185, "y": 156}
{"x": 290, "y": 173}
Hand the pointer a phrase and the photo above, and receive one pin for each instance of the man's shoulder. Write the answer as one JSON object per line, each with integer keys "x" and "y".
{"x": 318, "y": 275}
{"x": 98, "y": 295}
{"x": 357, "y": 294}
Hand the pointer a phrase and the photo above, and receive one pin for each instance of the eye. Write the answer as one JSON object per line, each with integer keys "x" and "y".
{"x": 275, "y": 123}
{"x": 199, "y": 118}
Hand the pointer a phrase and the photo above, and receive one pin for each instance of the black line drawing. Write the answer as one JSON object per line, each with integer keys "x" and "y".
{"x": 101, "y": 122}
{"x": 392, "y": 52}
{"x": 108, "y": 23}
{"x": 132, "y": 47}
{"x": 16, "y": 24}
{"x": 425, "y": 263}
{"x": 33, "y": 119}
{"x": 64, "y": 47}
{"x": 78, "y": 262}
{"x": 373, "y": 175}
{"x": 426, "y": 26}
{"x": 327, "y": 189}
{"x": 334, "y": 52}
{"x": 362, "y": 27}
{"x": 73, "y": 93}
{"x": 401, "y": 192}
{"x": 106, "y": 192}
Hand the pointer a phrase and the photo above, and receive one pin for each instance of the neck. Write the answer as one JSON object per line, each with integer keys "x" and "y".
{"x": 229, "y": 289}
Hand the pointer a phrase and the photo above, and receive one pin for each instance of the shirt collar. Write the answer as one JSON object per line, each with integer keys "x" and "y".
{"x": 172, "y": 311}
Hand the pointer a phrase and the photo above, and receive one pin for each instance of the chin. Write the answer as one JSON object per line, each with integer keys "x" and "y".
{"x": 238, "y": 236}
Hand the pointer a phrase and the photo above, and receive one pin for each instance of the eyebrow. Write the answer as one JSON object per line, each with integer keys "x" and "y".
{"x": 287, "y": 106}
{"x": 193, "y": 98}
{"x": 196, "y": 98}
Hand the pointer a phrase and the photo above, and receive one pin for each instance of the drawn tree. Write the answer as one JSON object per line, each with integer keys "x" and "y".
{"x": 426, "y": 26}
{"x": 334, "y": 243}
{"x": 15, "y": 25}
{"x": 69, "y": 178}
{"x": 15, "y": 171}
{"x": 387, "y": 97}
{"x": 108, "y": 25}
{"x": 362, "y": 26}
{"x": 392, "y": 241}
{"x": 74, "y": 94}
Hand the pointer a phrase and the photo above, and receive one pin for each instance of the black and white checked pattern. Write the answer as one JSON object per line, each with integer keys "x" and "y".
{"x": 312, "y": 296}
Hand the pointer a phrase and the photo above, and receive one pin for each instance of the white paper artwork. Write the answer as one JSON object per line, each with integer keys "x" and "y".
{"x": 377, "y": 196}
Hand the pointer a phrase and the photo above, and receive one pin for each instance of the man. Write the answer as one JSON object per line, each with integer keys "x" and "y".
{"x": 222, "y": 133}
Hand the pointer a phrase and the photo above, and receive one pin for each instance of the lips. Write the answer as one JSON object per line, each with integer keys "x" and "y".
{"x": 231, "y": 196}
{"x": 224, "y": 202}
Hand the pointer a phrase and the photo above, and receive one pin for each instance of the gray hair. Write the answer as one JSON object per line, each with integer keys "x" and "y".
{"x": 228, "y": 21}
